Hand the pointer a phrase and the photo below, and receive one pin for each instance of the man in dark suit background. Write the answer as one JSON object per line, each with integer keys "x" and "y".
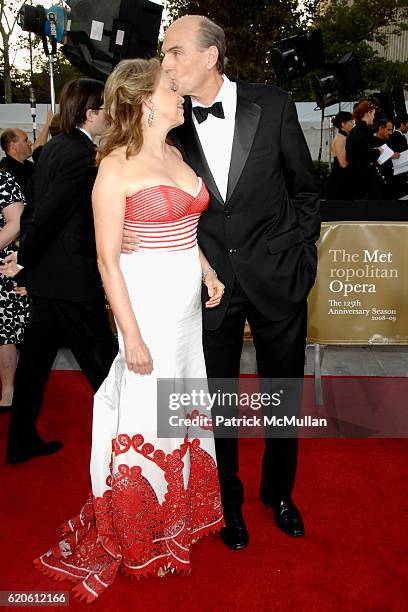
{"x": 259, "y": 235}
{"x": 17, "y": 148}
{"x": 59, "y": 268}
{"x": 398, "y": 143}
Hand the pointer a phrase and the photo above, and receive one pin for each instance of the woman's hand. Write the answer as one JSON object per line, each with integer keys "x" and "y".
{"x": 9, "y": 266}
{"x": 130, "y": 242}
{"x": 138, "y": 358}
{"x": 22, "y": 291}
{"x": 215, "y": 289}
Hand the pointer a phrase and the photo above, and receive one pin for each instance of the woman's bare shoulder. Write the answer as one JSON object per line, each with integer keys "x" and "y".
{"x": 115, "y": 160}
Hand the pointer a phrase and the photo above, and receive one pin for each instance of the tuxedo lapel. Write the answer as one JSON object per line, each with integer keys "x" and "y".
{"x": 247, "y": 119}
{"x": 194, "y": 152}
{"x": 246, "y": 124}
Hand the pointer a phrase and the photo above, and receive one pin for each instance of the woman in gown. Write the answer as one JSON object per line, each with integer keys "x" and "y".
{"x": 151, "y": 497}
{"x": 338, "y": 184}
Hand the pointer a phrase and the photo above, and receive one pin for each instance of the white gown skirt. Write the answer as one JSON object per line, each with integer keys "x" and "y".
{"x": 151, "y": 497}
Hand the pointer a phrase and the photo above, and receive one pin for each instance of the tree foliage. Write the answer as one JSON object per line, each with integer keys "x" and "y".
{"x": 15, "y": 82}
{"x": 8, "y": 21}
{"x": 253, "y": 26}
{"x": 353, "y": 26}
{"x": 63, "y": 72}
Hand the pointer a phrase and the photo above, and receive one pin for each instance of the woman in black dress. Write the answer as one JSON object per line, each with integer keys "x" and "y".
{"x": 338, "y": 184}
{"x": 13, "y": 302}
{"x": 362, "y": 153}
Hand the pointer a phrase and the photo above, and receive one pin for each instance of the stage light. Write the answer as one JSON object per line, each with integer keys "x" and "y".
{"x": 39, "y": 20}
{"x": 97, "y": 35}
{"x": 348, "y": 71}
{"x": 391, "y": 103}
{"x": 327, "y": 89}
{"x": 292, "y": 57}
{"x": 103, "y": 33}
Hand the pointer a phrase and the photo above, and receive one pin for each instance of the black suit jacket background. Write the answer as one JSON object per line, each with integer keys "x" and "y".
{"x": 398, "y": 142}
{"x": 265, "y": 231}
{"x": 57, "y": 241}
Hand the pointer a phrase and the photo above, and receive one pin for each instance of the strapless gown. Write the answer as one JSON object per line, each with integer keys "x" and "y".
{"x": 151, "y": 497}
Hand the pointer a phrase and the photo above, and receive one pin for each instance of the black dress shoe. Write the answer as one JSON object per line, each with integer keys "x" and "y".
{"x": 38, "y": 449}
{"x": 287, "y": 517}
{"x": 234, "y": 534}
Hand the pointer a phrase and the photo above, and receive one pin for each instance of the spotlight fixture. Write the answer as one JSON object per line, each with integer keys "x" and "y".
{"x": 292, "y": 57}
{"x": 340, "y": 82}
{"x": 349, "y": 73}
{"x": 326, "y": 88}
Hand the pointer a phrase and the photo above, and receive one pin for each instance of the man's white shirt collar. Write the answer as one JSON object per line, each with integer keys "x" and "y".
{"x": 216, "y": 135}
{"x": 226, "y": 94}
{"x": 85, "y": 132}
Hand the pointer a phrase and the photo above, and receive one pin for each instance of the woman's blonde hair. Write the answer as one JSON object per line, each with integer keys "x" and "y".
{"x": 130, "y": 83}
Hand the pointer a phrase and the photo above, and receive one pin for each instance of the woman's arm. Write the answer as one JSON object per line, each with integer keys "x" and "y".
{"x": 214, "y": 285}
{"x": 109, "y": 199}
{"x": 10, "y": 231}
{"x": 339, "y": 149}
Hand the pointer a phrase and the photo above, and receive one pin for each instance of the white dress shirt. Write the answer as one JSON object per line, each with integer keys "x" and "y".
{"x": 216, "y": 135}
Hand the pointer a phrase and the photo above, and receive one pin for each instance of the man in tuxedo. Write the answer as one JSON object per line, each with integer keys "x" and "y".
{"x": 58, "y": 259}
{"x": 258, "y": 234}
{"x": 398, "y": 143}
{"x": 398, "y": 140}
{"x": 383, "y": 130}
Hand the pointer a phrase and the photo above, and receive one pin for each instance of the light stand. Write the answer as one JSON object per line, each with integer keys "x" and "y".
{"x": 33, "y": 102}
{"x": 51, "y": 54}
{"x": 33, "y": 107}
{"x": 330, "y": 138}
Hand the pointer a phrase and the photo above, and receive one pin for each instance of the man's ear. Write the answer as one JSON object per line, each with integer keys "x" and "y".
{"x": 212, "y": 57}
{"x": 90, "y": 115}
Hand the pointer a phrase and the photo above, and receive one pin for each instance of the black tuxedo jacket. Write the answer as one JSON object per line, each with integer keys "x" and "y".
{"x": 398, "y": 142}
{"x": 57, "y": 239}
{"x": 265, "y": 231}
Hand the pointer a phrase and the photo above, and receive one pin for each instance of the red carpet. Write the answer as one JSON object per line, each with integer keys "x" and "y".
{"x": 352, "y": 493}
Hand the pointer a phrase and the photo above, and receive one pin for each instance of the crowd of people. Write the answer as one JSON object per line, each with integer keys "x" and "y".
{"x": 356, "y": 172}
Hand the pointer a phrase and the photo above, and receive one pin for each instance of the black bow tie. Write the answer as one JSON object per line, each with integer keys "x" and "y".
{"x": 201, "y": 112}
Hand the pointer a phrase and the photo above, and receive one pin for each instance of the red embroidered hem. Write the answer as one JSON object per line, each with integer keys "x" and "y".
{"x": 128, "y": 530}
{"x": 88, "y": 590}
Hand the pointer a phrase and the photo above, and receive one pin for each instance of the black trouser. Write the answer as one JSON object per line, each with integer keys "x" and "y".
{"x": 280, "y": 353}
{"x": 81, "y": 326}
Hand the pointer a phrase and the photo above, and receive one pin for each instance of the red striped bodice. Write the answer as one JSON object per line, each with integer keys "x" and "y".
{"x": 165, "y": 217}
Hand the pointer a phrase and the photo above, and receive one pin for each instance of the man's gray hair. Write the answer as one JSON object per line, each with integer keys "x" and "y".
{"x": 210, "y": 34}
